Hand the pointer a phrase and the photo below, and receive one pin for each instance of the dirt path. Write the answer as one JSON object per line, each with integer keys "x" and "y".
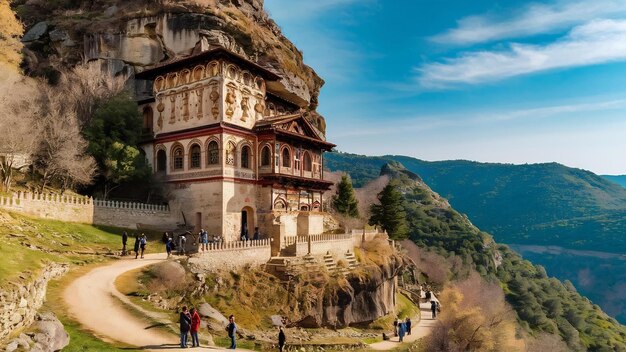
{"x": 92, "y": 301}
{"x": 418, "y": 331}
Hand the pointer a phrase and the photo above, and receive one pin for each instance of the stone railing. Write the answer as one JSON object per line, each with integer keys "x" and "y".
{"x": 88, "y": 210}
{"x": 240, "y": 245}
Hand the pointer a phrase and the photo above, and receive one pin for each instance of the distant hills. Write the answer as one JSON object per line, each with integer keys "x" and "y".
{"x": 619, "y": 179}
{"x": 539, "y": 204}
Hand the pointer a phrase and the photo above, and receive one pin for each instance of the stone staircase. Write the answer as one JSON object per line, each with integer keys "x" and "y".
{"x": 286, "y": 267}
{"x": 351, "y": 259}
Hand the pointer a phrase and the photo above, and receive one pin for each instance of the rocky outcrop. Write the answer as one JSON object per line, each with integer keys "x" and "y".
{"x": 360, "y": 300}
{"x": 19, "y": 302}
{"x": 131, "y": 36}
{"x": 47, "y": 335}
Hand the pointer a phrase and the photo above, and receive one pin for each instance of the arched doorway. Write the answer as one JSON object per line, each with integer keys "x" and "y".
{"x": 247, "y": 223}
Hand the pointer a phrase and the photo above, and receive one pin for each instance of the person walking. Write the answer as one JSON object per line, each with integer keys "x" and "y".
{"x": 142, "y": 244}
{"x": 124, "y": 241}
{"x": 168, "y": 247}
{"x": 185, "y": 325}
{"x": 395, "y": 327}
{"x": 433, "y": 308}
{"x": 231, "y": 328}
{"x": 182, "y": 241}
{"x": 281, "y": 339}
{"x": 195, "y": 326}
{"x": 401, "y": 331}
{"x": 136, "y": 246}
{"x": 408, "y": 325}
{"x": 204, "y": 240}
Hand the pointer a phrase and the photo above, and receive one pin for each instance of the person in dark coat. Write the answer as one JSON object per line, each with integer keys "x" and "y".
{"x": 281, "y": 339}
{"x": 195, "y": 326}
{"x": 231, "y": 328}
{"x": 401, "y": 330}
{"x": 168, "y": 247}
{"x": 433, "y": 308}
{"x": 136, "y": 246}
{"x": 395, "y": 327}
{"x": 257, "y": 234}
{"x": 143, "y": 240}
{"x": 124, "y": 241}
{"x": 185, "y": 326}
{"x": 408, "y": 325}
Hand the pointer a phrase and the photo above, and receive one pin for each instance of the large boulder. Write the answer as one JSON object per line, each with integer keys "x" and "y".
{"x": 36, "y": 32}
{"x": 205, "y": 310}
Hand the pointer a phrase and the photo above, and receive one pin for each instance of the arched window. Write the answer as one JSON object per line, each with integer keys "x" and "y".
{"x": 266, "y": 156}
{"x": 147, "y": 119}
{"x": 230, "y": 153}
{"x": 286, "y": 158}
{"x": 245, "y": 157}
{"x": 194, "y": 157}
{"x": 213, "y": 153}
{"x": 307, "y": 163}
{"x": 161, "y": 160}
{"x": 178, "y": 155}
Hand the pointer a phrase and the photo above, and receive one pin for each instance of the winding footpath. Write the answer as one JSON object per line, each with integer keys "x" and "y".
{"x": 94, "y": 302}
{"x": 419, "y": 330}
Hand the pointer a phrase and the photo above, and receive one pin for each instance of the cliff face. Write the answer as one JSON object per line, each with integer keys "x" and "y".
{"x": 132, "y": 36}
{"x": 359, "y": 300}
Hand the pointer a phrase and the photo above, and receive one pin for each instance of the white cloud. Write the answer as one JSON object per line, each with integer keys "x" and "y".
{"x": 474, "y": 119}
{"x": 533, "y": 19}
{"x": 595, "y": 42}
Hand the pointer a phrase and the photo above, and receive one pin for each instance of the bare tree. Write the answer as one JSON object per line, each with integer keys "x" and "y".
{"x": 87, "y": 86}
{"x": 62, "y": 150}
{"x": 18, "y": 127}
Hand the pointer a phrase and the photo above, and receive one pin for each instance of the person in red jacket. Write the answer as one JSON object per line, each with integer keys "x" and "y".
{"x": 195, "y": 326}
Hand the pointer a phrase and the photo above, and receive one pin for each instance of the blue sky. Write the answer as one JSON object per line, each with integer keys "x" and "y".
{"x": 495, "y": 81}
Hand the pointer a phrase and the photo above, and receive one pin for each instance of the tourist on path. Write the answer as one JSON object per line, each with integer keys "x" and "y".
{"x": 185, "y": 325}
{"x": 281, "y": 339}
{"x": 395, "y": 327}
{"x": 195, "y": 326}
{"x": 168, "y": 247}
{"x": 257, "y": 234}
{"x": 231, "y": 328}
{"x": 408, "y": 326}
{"x": 165, "y": 237}
{"x": 124, "y": 241}
{"x": 136, "y": 246}
{"x": 204, "y": 240}
{"x": 142, "y": 244}
{"x": 401, "y": 330}
{"x": 433, "y": 308}
{"x": 182, "y": 241}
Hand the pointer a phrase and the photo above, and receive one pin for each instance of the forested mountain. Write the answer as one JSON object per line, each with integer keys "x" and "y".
{"x": 542, "y": 304}
{"x": 539, "y": 204}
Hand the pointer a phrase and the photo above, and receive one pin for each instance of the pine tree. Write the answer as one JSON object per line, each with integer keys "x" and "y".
{"x": 390, "y": 213}
{"x": 345, "y": 201}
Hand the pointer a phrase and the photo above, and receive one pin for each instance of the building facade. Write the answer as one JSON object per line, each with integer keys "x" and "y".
{"x": 233, "y": 153}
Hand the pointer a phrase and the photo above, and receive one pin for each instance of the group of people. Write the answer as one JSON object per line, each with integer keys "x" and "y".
{"x": 402, "y": 327}
{"x": 139, "y": 247}
{"x": 189, "y": 324}
{"x": 246, "y": 237}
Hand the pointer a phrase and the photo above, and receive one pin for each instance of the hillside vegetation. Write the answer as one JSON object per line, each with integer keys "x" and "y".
{"x": 540, "y": 204}
{"x": 542, "y": 304}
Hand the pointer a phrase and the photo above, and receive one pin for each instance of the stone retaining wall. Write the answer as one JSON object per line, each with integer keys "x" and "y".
{"x": 19, "y": 303}
{"x": 89, "y": 211}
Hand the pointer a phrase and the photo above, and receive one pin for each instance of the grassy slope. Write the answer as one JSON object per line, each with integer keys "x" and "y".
{"x": 547, "y": 204}
{"x": 29, "y": 244}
